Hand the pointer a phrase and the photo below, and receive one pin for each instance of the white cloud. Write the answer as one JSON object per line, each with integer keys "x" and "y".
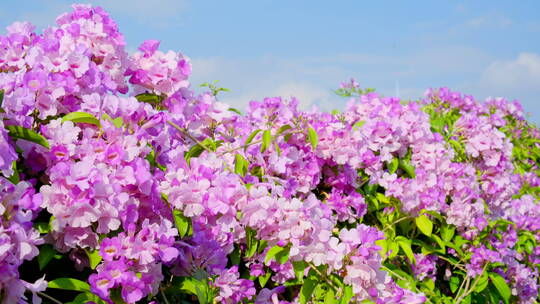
{"x": 517, "y": 78}
{"x": 307, "y": 94}
{"x": 522, "y": 72}
{"x": 312, "y": 78}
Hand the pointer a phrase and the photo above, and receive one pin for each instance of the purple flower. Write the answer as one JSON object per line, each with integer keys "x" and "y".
{"x": 110, "y": 248}
{"x": 7, "y": 152}
{"x": 232, "y": 289}
{"x": 425, "y": 266}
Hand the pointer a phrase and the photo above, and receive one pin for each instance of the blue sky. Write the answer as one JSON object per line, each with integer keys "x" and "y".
{"x": 306, "y": 48}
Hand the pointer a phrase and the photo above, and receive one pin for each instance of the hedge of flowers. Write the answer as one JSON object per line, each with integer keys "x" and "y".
{"x": 119, "y": 184}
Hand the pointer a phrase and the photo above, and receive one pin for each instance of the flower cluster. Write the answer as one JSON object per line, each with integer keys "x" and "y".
{"x": 18, "y": 239}
{"x": 147, "y": 192}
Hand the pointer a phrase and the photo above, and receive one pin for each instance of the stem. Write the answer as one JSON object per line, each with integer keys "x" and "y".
{"x": 393, "y": 273}
{"x": 460, "y": 293}
{"x": 468, "y": 290}
{"x": 334, "y": 287}
{"x": 256, "y": 142}
{"x": 397, "y": 221}
{"x": 457, "y": 265}
{"x": 186, "y": 133}
{"x": 399, "y": 277}
{"x": 241, "y": 147}
{"x": 41, "y": 294}
{"x": 163, "y": 295}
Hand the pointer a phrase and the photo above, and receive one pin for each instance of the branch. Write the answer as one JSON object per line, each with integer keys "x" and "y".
{"x": 325, "y": 277}
{"x": 164, "y": 297}
{"x": 457, "y": 265}
{"x": 186, "y": 133}
{"x": 41, "y": 294}
{"x": 256, "y": 142}
{"x": 397, "y": 221}
{"x": 471, "y": 289}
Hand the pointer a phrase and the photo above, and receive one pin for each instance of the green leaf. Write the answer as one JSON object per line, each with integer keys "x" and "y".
{"x": 281, "y": 254}
{"x": 116, "y": 296}
{"x": 435, "y": 215}
{"x": 15, "y": 178}
{"x": 347, "y": 295}
{"x": 437, "y": 124}
{"x": 424, "y": 224}
{"x": 202, "y": 294}
{"x": 86, "y": 297}
{"x": 263, "y": 279}
{"x": 252, "y": 242}
{"x": 460, "y": 241}
{"x": 371, "y": 189}
{"x": 266, "y": 139}
{"x": 283, "y": 129}
{"x": 393, "y": 248}
{"x": 241, "y": 165}
{"x": 357, "y": 125}
{"x": 197, "y": 149}
{"x": 493, "y": 293}
{"x": 299, "y": 268}
{"x": 46, "y": 253}
{"x": 393, "y": 165}
{"x": 118, "y": 122}
{"x": 261, "y": 246}
{"x": 183, "y": 223}
{"x": 426, "y": 248}
{"x": 313, "y": 138}
{"x": 187, "y": 284}
{"x": 42, "y": 227}
{"x": 429, "y": 283}
{"x": 439, "y": 242}
{"x": 405, "y": 245}
{"x": 19, "y": 132}
{"x": 81, "y": 117}
{"x": 447, "y": 232}
{"x": 235, "y": 111}
{"x": 454, "y": 283}
{"x": 330, "y": 297}
{"x": 250, "y": 138}
{"x": 482, "y": 283}
{"x": 382, "y": 198}
{"x": 278, "y": 149}
{"x": 406, "y": 166}
{"x": 149, "y": 98}
{"x": 306, "y": 292}
{"x": 384, "y": 246}
{"x": 200, "y": 275}
{"x": 1, "y": 97}
{"x": 151, "y": 158}
{"x": 69, "y": 284}
{"x": 198, "y": 288}
{"x": 458, "y": 148}
{"x": 94, "y": 257}
{"x": 501, "y": 285}
{"x": 234, "y": 256}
